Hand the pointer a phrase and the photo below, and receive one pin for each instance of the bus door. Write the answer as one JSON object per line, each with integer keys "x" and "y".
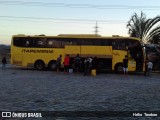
{"x": 136, "y": 53}
{"x": 131, "y": 62}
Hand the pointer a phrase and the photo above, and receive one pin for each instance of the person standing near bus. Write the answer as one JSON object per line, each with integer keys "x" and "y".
{"x": 90, "y": 64}
{"x": 125, "y": 65}
{"x": 4, "y": 62}
{"x": 86, "y": 66}
{"x": 59, "y": 60}
{"x": 94, "y": 63}
{"x": 77, "y": 61}
{"x": 66, "y": 63}
{"x": 146, "y": 67}
{"x": 149, "y": 66}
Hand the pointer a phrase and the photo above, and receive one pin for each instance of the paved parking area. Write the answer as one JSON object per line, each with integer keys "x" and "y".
{"x": 28, "y": 89}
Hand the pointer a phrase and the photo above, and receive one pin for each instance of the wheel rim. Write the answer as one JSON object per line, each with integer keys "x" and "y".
{"x": 120, "y": 69}
{"x": 39, "y": 65}
{"x": 53, "y": 66}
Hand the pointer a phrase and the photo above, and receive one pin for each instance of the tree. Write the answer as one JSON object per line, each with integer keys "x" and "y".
{"x": 143, "y": 28}
{"x": 155, "y": 39}
{"x": 136, "y": 25}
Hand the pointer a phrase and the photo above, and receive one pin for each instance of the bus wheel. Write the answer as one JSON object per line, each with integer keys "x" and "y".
{"x": 52, "y": 65}
{"x": 119, "y": 68}
{"x": 39, "y": 65}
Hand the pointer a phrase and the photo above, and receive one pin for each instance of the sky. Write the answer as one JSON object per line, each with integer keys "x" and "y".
{"x": 54, "y": 17}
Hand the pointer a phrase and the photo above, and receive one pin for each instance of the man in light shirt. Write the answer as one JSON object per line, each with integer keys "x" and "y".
{"x": 150, "y": 66}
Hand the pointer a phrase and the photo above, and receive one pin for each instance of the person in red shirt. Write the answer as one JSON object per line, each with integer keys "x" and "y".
{"x": 66, "y": 63}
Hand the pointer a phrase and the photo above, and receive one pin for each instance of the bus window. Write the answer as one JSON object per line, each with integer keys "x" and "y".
{"x": 86, "y": 41}
{"x": 22, "y": 42}
{"x": 122, "y": 45}
{"x": 115, "y": 44}
{"x": 119, "y": 44}
{"x": 105, "y": 42}
{"x": 68, "y": 42}
{"x": 54, "y": 43}
{"x": 133, "y": 44}
{"x": 27, "y": 43}
{"x": 18, "y": 42}
{"x": 98, "y": 42}
{"x": 39, "y": 42}
{"x": 50, "y": 43}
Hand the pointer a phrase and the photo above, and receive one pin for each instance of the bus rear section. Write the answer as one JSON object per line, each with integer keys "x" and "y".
{"x": 35, "y": 51}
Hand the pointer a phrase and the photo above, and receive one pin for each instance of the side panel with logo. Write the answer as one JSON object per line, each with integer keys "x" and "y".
{"x": 118, "y": 57}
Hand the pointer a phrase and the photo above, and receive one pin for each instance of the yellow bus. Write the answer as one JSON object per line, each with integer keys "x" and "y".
{"x": 42, "y": 51}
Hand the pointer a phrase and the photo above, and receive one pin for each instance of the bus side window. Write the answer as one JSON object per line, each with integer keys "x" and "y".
{"x": 98, "y": 42}
{"x": 133, "y": 44}
{"x": 17, "y": 41}
{"x": 86, "y": 41}
{"x": 122, "y": 44}
{"x": 22, "y": 41}
{"x": 69, "y": 42}
{"x": 54, "y": 43}
{"x": 104, "y": 42}
{"x": 49, "y": 43}
{"x": 115, "y": 44}
{"x": 27, "y": 43}
{"x": 39, "y": 42}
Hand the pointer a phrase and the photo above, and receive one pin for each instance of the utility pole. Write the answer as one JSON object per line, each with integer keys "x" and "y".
{"x": 96, "y": 29}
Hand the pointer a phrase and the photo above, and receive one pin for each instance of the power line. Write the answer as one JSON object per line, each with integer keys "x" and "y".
{"x": 60, "y": 19}
{"x": 45, "y": 4}
{"x": 46, "y": 21}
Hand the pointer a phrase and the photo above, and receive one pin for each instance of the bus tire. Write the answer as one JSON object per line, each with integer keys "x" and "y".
{"x": 39, "y": 65}
{"x": 52, "y": 65}
{"x": 118, "y": 68}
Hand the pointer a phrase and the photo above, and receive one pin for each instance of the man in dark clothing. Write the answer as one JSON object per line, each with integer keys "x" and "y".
{"x": 59, "y": 60}
{"x": 86, "y": 66}
{"x": 125, "y": 65}
{"x": 4, "y": 62}
{"x": 77, "y": 63}
{"x": 146, "y": 67}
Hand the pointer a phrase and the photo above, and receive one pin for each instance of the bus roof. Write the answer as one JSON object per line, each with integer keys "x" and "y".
{"x": 78, "y": 36}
